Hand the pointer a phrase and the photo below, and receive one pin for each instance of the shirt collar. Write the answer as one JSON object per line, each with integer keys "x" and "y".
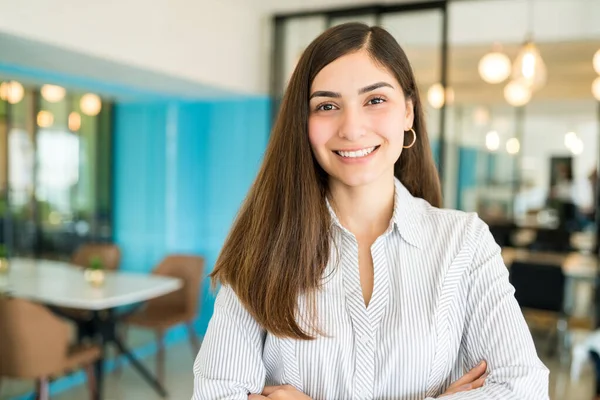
{"x": 406, "y": 217}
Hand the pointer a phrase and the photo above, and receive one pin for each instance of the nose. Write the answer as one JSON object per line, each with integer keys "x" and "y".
{"x": 352, "y": 126}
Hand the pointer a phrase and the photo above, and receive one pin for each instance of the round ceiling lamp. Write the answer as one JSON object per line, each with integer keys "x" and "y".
{"x": 573, "y": 143}
{"x": 74, "y": 121}
{"x": 481, "y": 115}
{"x": 90, "y": 104}
{"x": 517, "y": 94}
{"x": 596, "y": 88}
{"x": 494, "y": 67}
{"x": 53, "y": 93}
{"x": 577, "y": 146}
{"x": 45, "y": 119}
{"x": 436, "y": 96}
{"x": 570, "y": 138}
{"x": 492, "y": 141}
{"x": 12, "y": 91}
{"x": 513, "y": 146}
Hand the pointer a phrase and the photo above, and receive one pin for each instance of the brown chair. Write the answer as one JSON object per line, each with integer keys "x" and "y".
{"x": 109, "y": 254}
{"x": 35, "y": 345}
{"x": 174, "y": 308}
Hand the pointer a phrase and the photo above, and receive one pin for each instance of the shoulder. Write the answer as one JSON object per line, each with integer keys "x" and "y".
{"x": 451, "y": 221}
{"x": 452, "y": 228}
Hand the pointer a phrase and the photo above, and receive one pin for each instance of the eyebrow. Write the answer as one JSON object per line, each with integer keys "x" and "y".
{"x": 370, "y": 88}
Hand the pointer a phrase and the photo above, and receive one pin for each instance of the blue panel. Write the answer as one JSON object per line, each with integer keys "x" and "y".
{"x": 467, "y": 167}
{"x": 237, "y": 137}
{"x": 435, "y": 149}
{"x": 139, "y": 184}
{"x": 189, "y": 214}
{"x": 492, "y": 161}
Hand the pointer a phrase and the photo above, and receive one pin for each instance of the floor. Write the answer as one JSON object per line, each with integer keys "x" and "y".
{"x": 130, "y": 386}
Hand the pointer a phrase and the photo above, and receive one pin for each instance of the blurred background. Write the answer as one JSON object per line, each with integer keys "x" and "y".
{"x": 135, "y": 129}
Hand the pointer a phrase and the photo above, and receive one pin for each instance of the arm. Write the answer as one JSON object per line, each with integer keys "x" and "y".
{"x": 229, "y": 364}
{"x": 495, "y": 331}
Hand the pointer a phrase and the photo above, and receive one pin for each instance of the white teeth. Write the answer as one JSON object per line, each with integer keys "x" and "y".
{"x": 356, "y": 154}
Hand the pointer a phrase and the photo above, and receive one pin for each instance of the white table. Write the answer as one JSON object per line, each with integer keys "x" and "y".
{"x": 58, "y": 284}
{"x": 63, "y": 285}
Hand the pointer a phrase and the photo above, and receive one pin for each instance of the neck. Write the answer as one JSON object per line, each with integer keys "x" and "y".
{"x": 366, "y": 210}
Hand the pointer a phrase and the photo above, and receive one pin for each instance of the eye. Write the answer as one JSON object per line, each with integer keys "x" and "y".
{"x": 325, "y": 107}
{"x": 376, "y": 100}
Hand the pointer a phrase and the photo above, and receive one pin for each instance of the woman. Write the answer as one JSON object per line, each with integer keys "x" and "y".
{"x": 341, "y": 277}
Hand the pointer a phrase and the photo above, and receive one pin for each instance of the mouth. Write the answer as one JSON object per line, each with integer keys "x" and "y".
{"x": 356, "y": 153}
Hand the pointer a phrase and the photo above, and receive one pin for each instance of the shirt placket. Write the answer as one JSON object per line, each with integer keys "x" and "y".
{"x": 364, "y": 361}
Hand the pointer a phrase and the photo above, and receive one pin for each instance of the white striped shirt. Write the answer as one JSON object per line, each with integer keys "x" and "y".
{"x": 441, "y": 303}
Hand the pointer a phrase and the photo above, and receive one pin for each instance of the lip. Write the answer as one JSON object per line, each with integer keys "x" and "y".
{"x": 357, "y": 148}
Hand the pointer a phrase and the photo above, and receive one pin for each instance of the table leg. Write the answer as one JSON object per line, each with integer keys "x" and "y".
{"x": 99, "y": 376}
{"x": 102, "y": 328}
{"x": 140, "y": 368}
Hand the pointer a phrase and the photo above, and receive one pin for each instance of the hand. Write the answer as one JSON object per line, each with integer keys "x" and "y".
{"x": 284, "y": 392}
{"x": 473, "y": 379}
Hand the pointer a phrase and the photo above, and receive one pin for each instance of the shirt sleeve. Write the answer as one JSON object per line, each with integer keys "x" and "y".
{"x": 496, "y": 331}
{"x": 229, "y": 365}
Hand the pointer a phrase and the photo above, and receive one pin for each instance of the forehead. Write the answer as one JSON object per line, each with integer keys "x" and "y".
{"x": 352, "y": 71}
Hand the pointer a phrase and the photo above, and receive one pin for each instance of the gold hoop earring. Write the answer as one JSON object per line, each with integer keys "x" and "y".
{"x": 414, "y": 139}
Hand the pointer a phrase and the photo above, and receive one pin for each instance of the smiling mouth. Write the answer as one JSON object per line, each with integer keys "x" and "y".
{"x": 357, "y": 153}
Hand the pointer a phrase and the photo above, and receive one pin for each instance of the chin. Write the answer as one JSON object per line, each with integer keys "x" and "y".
{"x": 355, "y": 179}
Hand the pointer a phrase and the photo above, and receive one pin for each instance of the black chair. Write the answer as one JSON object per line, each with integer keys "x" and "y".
{"x": 502, "y": 233}
{"x": 596, "y": 361}
{"x": 541, "y": 287}
{"x": 556, "y": 240}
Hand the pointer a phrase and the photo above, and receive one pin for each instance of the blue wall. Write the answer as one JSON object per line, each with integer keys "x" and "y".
{"x": 181, "y": 173}
{"x": 467, "y": 171}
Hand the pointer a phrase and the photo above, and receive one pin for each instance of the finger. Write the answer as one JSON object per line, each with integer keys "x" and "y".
{"x": 479, "y": 382}
{"x": 268, "y": 390}
{"x": 256, "y": 397}
{"x": 474, "y": 374}
{"x": 464, "y": 388}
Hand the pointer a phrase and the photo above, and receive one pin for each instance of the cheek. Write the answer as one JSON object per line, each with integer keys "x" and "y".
{"x": 391, "y": 128}
{"x": 319, "y": 133}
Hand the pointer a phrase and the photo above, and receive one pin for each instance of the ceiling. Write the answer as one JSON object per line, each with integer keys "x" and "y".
{"x": 569, "y": 66}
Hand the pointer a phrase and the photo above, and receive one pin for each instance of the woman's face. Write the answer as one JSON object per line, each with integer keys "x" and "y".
{"x": 358, "y": 115}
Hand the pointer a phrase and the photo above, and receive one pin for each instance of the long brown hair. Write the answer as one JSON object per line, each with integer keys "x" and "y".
{"x": 278, "y": 247}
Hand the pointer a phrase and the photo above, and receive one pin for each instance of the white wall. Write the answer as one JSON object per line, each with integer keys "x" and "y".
{"x": 224, "y": 42}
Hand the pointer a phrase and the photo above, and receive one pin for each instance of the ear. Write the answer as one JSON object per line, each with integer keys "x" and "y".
{"x": 410, "y": 115}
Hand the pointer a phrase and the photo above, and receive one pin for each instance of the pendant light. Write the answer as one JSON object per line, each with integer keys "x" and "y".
{"x": 494, "y": 67}
{"x": 529, "y": 68}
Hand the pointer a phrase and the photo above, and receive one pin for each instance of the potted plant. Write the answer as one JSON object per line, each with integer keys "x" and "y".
{"x": 94, "y": 273}
{"x": 3, "y": 259}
